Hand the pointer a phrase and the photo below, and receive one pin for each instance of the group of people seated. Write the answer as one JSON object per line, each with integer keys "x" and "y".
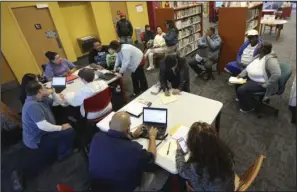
{"x": 115, "y": 162}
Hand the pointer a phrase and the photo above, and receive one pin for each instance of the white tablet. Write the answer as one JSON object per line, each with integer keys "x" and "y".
{"x": 59, "y": 82}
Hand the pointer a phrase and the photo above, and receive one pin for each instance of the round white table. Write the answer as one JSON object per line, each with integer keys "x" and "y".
{"x": 277, "y": 23}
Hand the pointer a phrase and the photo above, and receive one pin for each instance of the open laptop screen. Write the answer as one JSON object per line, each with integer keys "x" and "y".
{"x": 154, "y": 116}
{"x": 59, "y": 82}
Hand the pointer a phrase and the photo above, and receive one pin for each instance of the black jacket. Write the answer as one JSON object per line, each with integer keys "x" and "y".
{"x": 180, "y": 80}
{"x": 171, "y": 37}
{"x": 124, "y": 28}
{"x": 94, "y": 53}
{"x": 148, "y": 35}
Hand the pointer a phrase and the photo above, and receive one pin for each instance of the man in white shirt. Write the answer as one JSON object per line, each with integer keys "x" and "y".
{"x": 247, "y": 52}
{"x": 90, "y": 88}
{"x": 131, "y": 59}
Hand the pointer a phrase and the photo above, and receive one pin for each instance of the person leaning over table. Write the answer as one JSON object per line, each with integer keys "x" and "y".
{"x": 98, "y": 53}
{"x": 247, "y": 52}
{"x": 89, "y": 89}
{"x": 263, "y": 75}
{"x": 208, "y": 52}
{"x": 57, "y": 66}
{"x": 174, "y": 69}
{"x": 116, "y": 162}
{"x": 210, "y": 166}
{"x": 45, "y": 140}
{"x": 131, "y": 59}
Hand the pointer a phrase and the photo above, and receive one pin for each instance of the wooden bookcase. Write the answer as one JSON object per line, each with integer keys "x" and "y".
{"x": 189, "y": 21}
{"x": 232, "y": 26}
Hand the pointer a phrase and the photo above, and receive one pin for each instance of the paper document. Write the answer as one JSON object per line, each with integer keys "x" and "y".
{"x": 181, "y": 132}
{"x": 167, "y": 99}
{"x": 104, "y": 124}
{"x": 235, "y": 80}
{"x": 172, "y": 149}
{"x": 135, "y": 108}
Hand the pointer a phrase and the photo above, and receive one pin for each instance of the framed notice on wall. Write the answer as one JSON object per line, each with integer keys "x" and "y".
{"x": 139, "y": 8}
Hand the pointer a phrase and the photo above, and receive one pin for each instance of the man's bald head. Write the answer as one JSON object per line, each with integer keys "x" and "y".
{"x": 120, "y": 121}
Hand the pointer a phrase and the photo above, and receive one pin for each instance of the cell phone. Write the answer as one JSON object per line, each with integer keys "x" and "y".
{"x": 183, "y": 145}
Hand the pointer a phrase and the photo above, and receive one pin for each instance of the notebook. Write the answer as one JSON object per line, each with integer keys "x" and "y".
{"x": 71, "y": 78}
{"x": 167, "y": 99}
{"x": 235, "y": 80}
{"x": 179, "y": 131}
{"x": 135, "y": 108}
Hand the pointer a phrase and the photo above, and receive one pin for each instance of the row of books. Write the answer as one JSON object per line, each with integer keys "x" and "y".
{"x": 252, "y": 13}
{"x": 189, "y": 30}
{"x": 180, "y": 24}
{"x": 177, "y": 4}
{"x": 252, "y": 24}
{"x": 190, "y": 39}
{"x": 187, "y": 12}
{"x": 188, "y": 49}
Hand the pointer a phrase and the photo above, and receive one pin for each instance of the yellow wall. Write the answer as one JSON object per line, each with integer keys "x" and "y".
{"x": 79, "y": 20}
{"x": 14, "y": 45}
{"x": 103, "y": 20}
{"x": 137, "y": 19}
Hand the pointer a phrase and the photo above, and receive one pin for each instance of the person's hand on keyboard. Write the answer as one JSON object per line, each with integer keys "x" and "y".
{"x": 153, "y": 133}
{"x": 137, "y": 132}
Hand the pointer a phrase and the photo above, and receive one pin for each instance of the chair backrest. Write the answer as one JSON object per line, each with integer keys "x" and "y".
{"x": 64, "y": 188}
{"x": 142, "y": 36}
{"x": 12, "y": 115}
{"x": 189, "y": 187}
{"x": 286, "y": 72}
{"x": 97, "y": 102}
{"x": 248, "y": 177}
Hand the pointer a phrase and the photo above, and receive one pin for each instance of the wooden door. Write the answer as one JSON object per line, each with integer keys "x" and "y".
{"x": 163, "y": 14}
{"x": 116, "y": 8}
{"x": 40, "y": 32}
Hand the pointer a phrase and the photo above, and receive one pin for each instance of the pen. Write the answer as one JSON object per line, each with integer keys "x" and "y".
{"x": 168, "y": 148}
{"x": 162, "y": 140}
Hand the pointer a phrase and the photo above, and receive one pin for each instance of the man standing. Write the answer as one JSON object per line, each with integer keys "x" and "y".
{"x": 116, "y": 163}
{"x": 208, "y": 52}
{"x": 130, "y": 59}
{"x": 124, "y": 29}
{"x": 246, "y": 54}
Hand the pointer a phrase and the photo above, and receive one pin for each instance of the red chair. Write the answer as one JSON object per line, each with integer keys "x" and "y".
{"x": 97, "y": 103}
{"x": 64, "y": 188}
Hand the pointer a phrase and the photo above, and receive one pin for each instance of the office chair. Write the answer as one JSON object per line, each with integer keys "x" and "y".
{"x": 286, "y": 72}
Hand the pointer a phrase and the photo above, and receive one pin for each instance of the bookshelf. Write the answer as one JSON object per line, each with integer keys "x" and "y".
{"x": 232, "y": 26}
{"x": 188, "y": 17}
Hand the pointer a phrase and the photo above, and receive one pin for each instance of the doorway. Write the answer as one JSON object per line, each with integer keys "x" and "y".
{"x": 40, "y": 32}
{"x": 116, "y": 8}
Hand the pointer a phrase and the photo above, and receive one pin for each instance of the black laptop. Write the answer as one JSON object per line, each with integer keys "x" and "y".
{"x": 154, "y": 117}
{"x": 59, "y": 84}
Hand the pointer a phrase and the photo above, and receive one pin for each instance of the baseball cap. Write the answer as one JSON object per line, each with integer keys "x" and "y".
{"x": 252, "y": 32}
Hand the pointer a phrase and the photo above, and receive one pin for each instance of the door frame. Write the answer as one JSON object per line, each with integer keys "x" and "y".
{"x": 31, "y": 4}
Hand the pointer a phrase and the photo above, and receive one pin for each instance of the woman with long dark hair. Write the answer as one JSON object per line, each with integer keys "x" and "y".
{"x": 171, "y": 37}
{"x": 25, "y": 80}
{"x": 210, "y": 165}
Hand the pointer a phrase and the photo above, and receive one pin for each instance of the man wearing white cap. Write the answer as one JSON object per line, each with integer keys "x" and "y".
{"x": 246, "y": 53}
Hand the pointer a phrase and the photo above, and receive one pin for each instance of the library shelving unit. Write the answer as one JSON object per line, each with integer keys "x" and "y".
{"x": 188, "y": 17}
{"x": 232, "y": 26}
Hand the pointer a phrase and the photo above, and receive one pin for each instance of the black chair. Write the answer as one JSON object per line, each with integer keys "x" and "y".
{"x": 286, "y": 72}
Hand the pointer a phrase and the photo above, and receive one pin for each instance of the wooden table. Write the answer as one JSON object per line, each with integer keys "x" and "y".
{"x": 277, "y": 23}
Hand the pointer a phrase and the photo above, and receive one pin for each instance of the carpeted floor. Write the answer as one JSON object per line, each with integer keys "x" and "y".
{"x": 247, "y": 135}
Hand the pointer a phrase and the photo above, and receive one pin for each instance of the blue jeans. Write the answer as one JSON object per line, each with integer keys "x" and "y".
{"x": 245, "y": 94}
{"x": 234, "y": 68}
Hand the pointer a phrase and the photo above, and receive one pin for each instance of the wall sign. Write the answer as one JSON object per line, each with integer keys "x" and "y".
{"x": 37, "y": 26}
{"x": 51, "y": 34}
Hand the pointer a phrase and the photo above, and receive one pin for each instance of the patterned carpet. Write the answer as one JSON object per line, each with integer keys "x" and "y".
{"x": 247, "y": 135}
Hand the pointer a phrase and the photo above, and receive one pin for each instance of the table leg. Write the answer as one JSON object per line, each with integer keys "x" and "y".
{"x": 123, "y": 90}
{"x": 278, "y": 33}
{"x": 217, "y": 123}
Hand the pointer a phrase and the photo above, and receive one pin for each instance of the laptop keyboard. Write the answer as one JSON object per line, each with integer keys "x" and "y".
{"x": 160, "y": 134}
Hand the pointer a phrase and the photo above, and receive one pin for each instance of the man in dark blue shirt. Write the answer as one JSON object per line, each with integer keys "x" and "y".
{"x": 116, "y": 163}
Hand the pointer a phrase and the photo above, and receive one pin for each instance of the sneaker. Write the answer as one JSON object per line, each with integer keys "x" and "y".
{"x": 150, "y": 68}
{"x": 247, "y": 111}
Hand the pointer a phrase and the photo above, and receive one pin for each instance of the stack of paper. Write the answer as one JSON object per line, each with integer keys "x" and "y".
{"x": 104, "y": 124}
{"x": 235, "y": 80}
{"x": 180, "y": 132}
{"x": 167, "y": 99}
{"x": 135, "y": 108}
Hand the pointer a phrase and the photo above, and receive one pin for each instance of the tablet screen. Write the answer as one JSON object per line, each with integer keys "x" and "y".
{"x": 59, "y": 81}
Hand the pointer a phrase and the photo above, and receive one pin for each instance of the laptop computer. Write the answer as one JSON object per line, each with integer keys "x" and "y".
{"x": 59, "y": 84}
{"x": 154, "y": 117}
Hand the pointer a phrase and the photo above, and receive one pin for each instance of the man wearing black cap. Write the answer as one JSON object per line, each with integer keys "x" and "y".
{"x": 124, "y": 29}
